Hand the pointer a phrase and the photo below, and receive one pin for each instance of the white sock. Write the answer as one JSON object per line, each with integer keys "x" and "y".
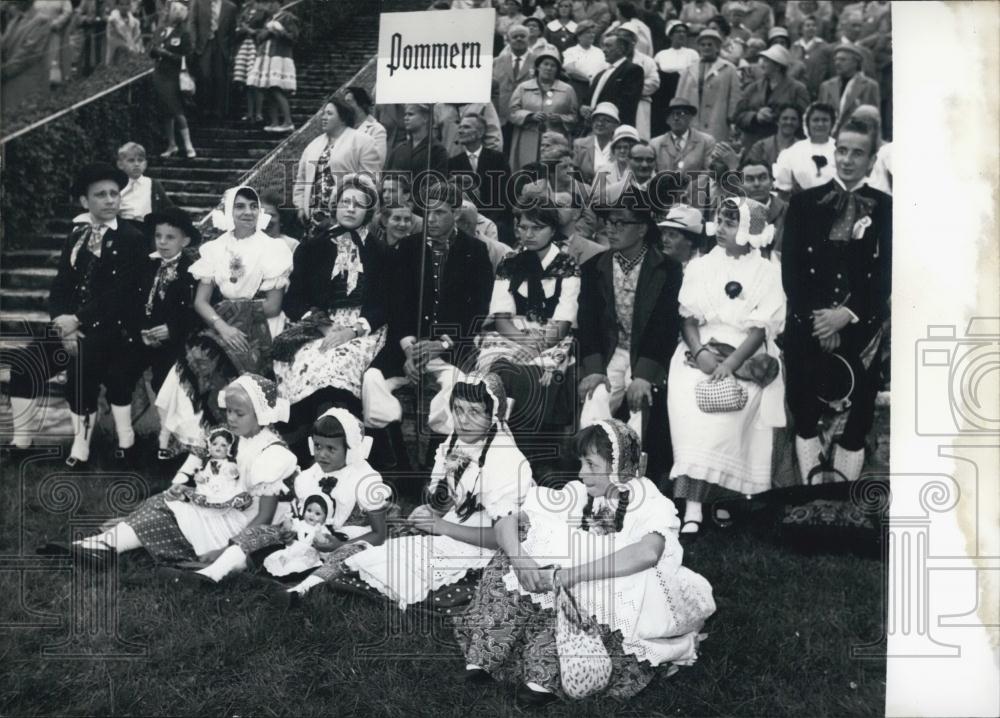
{"x": 164, "y": 439}
{"x": 807, "y": 453}
{"x": 308, "y": 582}
{"x": 22, "y": 410}
{"x": 231, "y": 560}
{"x": 121, "y": 537}
{"x": 473, "y": 667}
{"x": 123, "y": 425}
{"x": 692, "y": 512}
{"x": 848, "y": 462}
{"x": 537, "y": 688}
{"x": 83, "y": 429}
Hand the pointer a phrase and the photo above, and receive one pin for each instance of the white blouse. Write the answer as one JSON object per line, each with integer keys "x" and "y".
{"x": 358, "y": 485}
{"x": 584, "y": 62}
{"x": 241, "y": 268}
{"x": 502, "y": 301}
{"x": 671, "y": 60}
{"x": 796, "y": 169}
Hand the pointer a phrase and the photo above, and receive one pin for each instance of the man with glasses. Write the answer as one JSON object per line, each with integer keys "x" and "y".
{"x": 628, "y": 324}
{"x": 641, "y": 167}
{"x": 512, "y": 67}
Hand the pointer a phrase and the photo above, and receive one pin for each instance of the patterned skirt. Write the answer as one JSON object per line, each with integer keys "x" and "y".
{"x": 272, "y": 71}
{"x": 341, "y": 367}
{"x": 244, "y": 61}
{"x": 514, "y": 639}
{"x": 156, "y": 526}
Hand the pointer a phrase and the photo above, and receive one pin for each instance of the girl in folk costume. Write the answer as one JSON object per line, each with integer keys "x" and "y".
{"x": 533, "y": 312}
{"x": 340, "y": 475}
{"x": 337, "y": 296}
{"x": 809, "y": 162}
{"x": 174, "y": 531}
{"x": 250, "y": 270}
{"x": 250, "y": 23}
{"x": 612, "y": 539}
{"x": 725, "y": 394}
{"x": 479, "y": 476}
{"x": 273, "y": 68}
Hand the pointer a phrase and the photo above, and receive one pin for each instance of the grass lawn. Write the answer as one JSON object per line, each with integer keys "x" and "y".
{"x": 780, "y": 643}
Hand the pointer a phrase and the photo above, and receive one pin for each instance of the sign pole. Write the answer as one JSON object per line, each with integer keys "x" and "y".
{"x": 423, "y": 239}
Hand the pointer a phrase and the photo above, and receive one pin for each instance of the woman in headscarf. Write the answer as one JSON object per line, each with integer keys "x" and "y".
{"x": 533, "y": 311}
{"x": 173, "y": 529}
{"x": 479, "y": 476}
{"x": 337, "y": 297}
{"x": 725, "y": 395}
{"x": 610, "y": 538}
{"x": 539, "y": 104}
{"x": 250, "y": 270}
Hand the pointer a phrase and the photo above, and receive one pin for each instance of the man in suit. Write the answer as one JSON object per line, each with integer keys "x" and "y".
{"x": 89, "y": 301}
{"x": 454, "y": 297}
{"x": 592, "y": 153}
{"x": 24, "y": 69}
{"x": 713, "y": 86}
{"x": 619, "y": 84}
{"x": 682, "y": 148}
{"x": 757, "y": 183}
{"x": 851, "y": 28}
{"x": 636, "y": 182}
{"x": 836, "y": 267}
{"x": 483, "y": 175}
{"x": 756, "y": 111}
{"x": 628, "y": 323}
{"x": 815, "y": 55}
{"x": 849, "y": 88}
{"x": 509, "y": 70}
{"x": 212, "y": 24}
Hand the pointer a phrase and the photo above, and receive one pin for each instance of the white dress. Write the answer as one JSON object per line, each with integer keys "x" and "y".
{"x": 659, "y": 611}
{"x": 731, "y": 449}
{"x": 407, "y": 568}
{"x": 264, "y": 463}
{"x": 300, "y": 555}
{"x": 795, "y": 168}
{"x": 240, "y": 269}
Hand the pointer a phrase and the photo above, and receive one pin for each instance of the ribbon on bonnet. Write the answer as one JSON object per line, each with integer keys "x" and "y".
{"x": 263, "y": 393}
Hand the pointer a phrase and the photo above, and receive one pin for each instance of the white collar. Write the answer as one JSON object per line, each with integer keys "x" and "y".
{"x": 88, "y": 218}
{"x": 172, "y": 260}
{"x": 476, "y": 153}
{"x": 612, "y": 66}
{"x": 684, "y": 137}
{"x": 807, "y": 43}
{"x": 141, "y": 182}
{"x": 855, "y": 188}
{"x": 550, "y": 255}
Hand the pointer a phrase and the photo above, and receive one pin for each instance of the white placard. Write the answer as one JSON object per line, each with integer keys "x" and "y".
{"x": 435, "y": 56}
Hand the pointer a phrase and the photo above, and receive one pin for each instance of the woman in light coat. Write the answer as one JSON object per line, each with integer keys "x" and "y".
{"x": 538, "y": 105}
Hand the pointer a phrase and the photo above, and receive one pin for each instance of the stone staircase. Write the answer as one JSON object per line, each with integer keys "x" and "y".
{"x": 226, "y": 153}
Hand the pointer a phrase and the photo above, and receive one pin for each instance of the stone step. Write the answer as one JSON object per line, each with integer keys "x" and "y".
{"x": 215, "y": 162}
{"x": 30, "y": 258}
{"x": 206, "y": 174}
{"x": 208, "y": 144}
{"x": 174, "y": 186}
{"x": 199, "y": 200}
{"x": 22, "y": 323}
{"x": 24, "y": 300}
{"x": 27, "y": 278}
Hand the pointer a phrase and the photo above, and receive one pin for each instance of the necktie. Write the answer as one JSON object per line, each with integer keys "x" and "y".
{"x": 94, "y": 241}
{"x": 849, "y": 207}
{"x": 701, "y": 79}
{"x": 473, "y": 161}
{"x": 163, "y": 277}
{"x": 678, "y": 142}
{"x": 517, "y": 68}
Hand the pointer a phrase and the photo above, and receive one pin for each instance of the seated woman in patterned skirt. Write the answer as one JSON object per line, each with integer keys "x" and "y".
{"x": 612, "y": 539}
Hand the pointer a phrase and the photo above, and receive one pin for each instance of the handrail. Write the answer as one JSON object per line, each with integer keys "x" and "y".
{"x": 66, "y": 110}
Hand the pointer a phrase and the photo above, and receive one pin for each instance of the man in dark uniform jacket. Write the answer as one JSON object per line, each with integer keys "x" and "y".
{"x": 628, "y": 323}
{"x": 836, "y": 269}
{"x": 453, "y": 301}
{"x": 95, "y": 283}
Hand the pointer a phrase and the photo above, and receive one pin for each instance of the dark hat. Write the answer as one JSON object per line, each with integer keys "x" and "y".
{"x": 850, "y": 49}
{"x": 175, "y": 217}
{"x": 680, "y": 103}
{"x": 537, "y": 21}
{"x": 97, "y": 172}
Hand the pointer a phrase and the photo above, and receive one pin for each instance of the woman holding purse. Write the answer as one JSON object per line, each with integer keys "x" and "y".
{"x": 610, "y": 549}
{"x": 171, "y": 45}
{"x": 725, "y": 395}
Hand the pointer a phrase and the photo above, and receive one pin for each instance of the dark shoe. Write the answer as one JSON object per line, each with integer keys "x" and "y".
{"x": 97, "y": 559}
{"x": 527, "y": 698}
{"x": 477, "y": 676}
{"x": 285, "y": 600}
{"x": 691, "y": 535}
{"x": 75, "y": 464}
{"x": 164, "y": 455}
{"x": 175, "y": 576}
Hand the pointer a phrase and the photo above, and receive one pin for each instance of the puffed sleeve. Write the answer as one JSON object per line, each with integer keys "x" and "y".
{"x": 650, "y": 512}
{"x": 277, "y": 262}
{"x": 569, "y": 297}
{"x": 564, "y": 505}
{"x": 373, "y": 494}
{"x": 507, "y": 480}
{"x": 270, "y": 469}
{"x": 502, "y": 301}
{"x": 783, "y": 170}
{"x": 769, "y": 311}
{"x": 690, "y": 290}
{"x": 203, "y": 269}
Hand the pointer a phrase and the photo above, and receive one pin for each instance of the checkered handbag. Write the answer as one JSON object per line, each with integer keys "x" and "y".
{"x": 715, "y": 397}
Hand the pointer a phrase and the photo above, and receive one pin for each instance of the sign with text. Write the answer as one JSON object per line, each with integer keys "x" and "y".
{"x": 435, "y": 56}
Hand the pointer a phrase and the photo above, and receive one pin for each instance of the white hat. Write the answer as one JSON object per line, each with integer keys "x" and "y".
{"x": 607, "y": 108}
{"x": 267, "y": 405}
{"x": 683, "y": 217}
{"x": 623, "y": 132}
{"x": 778, "y": 54}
